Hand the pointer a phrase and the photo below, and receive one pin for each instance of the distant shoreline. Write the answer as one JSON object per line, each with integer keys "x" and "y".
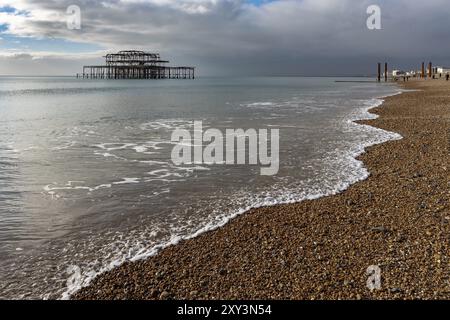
{"x": 396, "y": 219}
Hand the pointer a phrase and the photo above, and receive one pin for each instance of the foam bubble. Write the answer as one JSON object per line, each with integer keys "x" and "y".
{"x": 166, "y": 124}
{"x": 127, "y": 181}
{"x": 140, "y": 149}
{"x": 111, "y": 146}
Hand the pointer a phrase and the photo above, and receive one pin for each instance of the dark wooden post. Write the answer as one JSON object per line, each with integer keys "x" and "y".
{"x": 423, "y": 70}
{"x": 379, "y": 72}
{"x": 430, "y": 70}
{"x": 385, "y": 72}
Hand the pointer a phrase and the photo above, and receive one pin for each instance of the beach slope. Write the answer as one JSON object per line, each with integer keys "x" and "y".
{"x": 398, "y": 220}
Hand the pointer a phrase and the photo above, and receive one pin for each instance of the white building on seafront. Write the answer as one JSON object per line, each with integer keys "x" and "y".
{"x": 442, "y": 70}
{"x": 400, "y": 73}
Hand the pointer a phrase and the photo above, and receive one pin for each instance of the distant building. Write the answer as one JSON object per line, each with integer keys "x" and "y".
{"x": 442, "y": 70}
{"x": 398, "y": 73}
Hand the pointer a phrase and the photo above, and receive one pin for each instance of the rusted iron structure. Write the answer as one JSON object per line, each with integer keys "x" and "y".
{"x": 133, "y": 64}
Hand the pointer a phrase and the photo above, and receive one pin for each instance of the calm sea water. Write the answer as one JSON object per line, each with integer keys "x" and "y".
{"x": 86, "y": 180}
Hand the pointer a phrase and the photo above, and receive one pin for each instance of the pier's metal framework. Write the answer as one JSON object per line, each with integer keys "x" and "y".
{"x": 133, "y": 64}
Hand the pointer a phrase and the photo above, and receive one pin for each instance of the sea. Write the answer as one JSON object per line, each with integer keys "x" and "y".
{"x": 87, "y": 181}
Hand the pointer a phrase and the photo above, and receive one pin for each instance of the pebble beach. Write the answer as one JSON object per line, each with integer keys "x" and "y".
{"x": 398, "y": 219}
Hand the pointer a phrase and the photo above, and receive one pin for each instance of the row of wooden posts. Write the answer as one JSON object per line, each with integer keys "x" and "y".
{"x": 385, "y": 72}
{"x": 422, "y": 74}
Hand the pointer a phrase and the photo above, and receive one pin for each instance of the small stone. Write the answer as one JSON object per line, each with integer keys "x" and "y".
{"x": 159, "y": 275}
{"x": 193, "y": 293}
{"x": 164, "y": 295}
{"x": 222, "y": 272}
{"x": 154, "y": 293}
{"x": 417, "y": 175}
{"x": 380, "y": 229}
{"x": 350, "y": 202}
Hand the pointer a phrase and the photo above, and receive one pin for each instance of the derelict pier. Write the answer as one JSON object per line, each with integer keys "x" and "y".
{"x": 132, "y": 64}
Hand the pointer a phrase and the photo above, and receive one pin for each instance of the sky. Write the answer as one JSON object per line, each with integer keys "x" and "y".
{"x": 226, "y": 37}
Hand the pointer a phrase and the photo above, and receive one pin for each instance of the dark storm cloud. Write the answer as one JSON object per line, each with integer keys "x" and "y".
{"x": 235, "y": 37}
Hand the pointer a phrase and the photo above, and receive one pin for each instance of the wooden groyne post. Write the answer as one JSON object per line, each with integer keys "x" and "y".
{"x": 423, "y": 70}
{"x": 430, "y": 70}
{"x": 385, "y": 72}
{"x": 379, "y": 72}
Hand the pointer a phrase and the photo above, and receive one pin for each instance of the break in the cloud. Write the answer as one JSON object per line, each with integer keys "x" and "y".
{"x": 284, "y": 37}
